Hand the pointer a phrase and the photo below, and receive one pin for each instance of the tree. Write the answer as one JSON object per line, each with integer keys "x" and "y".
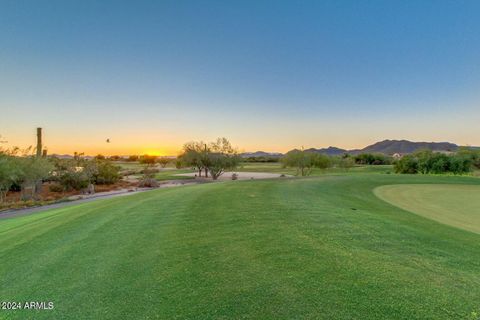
{"x": 305, "y": 161}
{"x": 105, "y": 173}
{"x": 372, "y": 159}
{"x": 147, "y": 159}
{"x": 163, "y": 162}
{"x": 221, "y": 156}
{"x": 194, "y": 155}
{"x": 8, "y": 173}
{"x": 407, "y": 164}
{"x": 76, "y": 174}
{"x": 428, "y": 162}
{"x": 32, "y": 169}
{"x": 215, "y": 157}
{"x": 132, "y": 158}
{"x": 148, "y": 176}
{"x": 346, "y": 163}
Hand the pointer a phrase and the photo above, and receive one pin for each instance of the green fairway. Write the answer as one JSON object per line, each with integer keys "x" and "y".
{"x": 455, "y": 205}
{"x": 316, "y": 248}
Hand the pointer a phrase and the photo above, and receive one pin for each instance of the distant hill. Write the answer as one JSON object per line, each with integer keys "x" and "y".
{"x": 260, "y": 154}
{"x": 390, "y": 147}
{"x": 405, "y": 146}
{"x": 330, "y": 151}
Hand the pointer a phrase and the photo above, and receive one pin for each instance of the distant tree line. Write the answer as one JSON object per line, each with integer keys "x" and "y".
{"x": 265, "y": 159}
{"x": 428, "y": 162}
{"x": 372, "y": 159}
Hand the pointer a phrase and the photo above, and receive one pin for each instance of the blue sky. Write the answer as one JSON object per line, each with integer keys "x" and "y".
{"x": 269, "y": 75}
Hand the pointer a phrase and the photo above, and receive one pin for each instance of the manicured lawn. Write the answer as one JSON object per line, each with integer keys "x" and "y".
{"x": 316, "y": 248}
{"x": 456, "y": 205}
{"x": 173, "y": 175}
{"x": 276, "y": 167}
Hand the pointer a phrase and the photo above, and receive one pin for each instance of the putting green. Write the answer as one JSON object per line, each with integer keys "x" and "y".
{"x": 451, "y": 204}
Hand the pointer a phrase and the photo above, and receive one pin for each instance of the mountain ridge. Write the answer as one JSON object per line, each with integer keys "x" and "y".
{"x": 387, "y": 147}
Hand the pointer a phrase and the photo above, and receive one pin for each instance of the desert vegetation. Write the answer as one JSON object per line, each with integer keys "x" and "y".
{"x": 428, "y": 162}
{"x": 211, "y": 158}
{"x": 20, "y": 170}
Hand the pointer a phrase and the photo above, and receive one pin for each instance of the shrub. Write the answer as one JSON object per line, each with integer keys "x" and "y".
{"x": 372, "y": 159}
{"x": 146, "y": 159}
{"x": 305, "y": 161}
{"x": 55, "y": 188}
{"x": 149, "y": 170}
{"x": 428, "y": 162}
{"x": 163, "y": 162}
{"x": 148, "y": 183}
{"x": 132, "y": 158}
{"x": 106, "y": 173}
{"x": 76, "y": 180}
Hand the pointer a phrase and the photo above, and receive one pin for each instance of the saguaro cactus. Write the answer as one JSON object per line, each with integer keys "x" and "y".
{"x": 39, "y": 142}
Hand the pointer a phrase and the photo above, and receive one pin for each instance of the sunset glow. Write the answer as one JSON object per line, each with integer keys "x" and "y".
{"x": 328, "y": 75}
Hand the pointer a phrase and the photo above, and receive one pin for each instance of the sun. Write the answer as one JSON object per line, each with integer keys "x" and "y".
{"x": 155, "y": 153}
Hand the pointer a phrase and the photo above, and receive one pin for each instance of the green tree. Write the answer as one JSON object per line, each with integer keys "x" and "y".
{"x": 305, "y": 161}
{"x": 8, "y": 173}
{"x": 213, "y": 158}
{"x": 221, "y": 156}
{"x": 104, "y": 172}
{"x": 31, "y": 170}
{"x": 195, "y": 155}
{"x": 163, "y": 162}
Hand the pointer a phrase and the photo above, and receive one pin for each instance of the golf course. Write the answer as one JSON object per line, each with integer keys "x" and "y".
{"x": 357, "y": 245}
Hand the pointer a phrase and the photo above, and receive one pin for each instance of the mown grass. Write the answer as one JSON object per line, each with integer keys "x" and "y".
{"x": 455, "y": 205}
{"x": 315, "y": 248}
{"x": 173, "y": 175}
{"x": 275, "y": 167}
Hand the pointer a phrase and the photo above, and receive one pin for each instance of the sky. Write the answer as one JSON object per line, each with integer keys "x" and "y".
{"x": 267, "y": 75}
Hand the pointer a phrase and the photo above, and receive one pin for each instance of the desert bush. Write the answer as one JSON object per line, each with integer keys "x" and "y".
{"x": 106, "y": 173}
{"x": 149, "y": 170}
{"x": 148, "y": 177}
{"x": 147, "y": 159}
{"x": 148, "y": 183}
{"x": 8, "y": 173}
{"x": 428, "y": 162}
{"x": 163, "y": 162}
{"x": 265, "y": 159}
{"x": 372, "y": 159}
{"x": 31, "y": 171}
{"x": 56, "y": 188}
{"x": 132, "y": 158}
{"x": 213, "y": 158}
{"x": 345, "y": 163}
{"x": 74, "y": 180}
{"x": 305, "y": 161}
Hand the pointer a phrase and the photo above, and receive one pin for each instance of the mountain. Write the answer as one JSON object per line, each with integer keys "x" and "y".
{"x": 330, "y": 151}
{"x": 390, "y": 147}
{"x": 260, "y": 154}
{"x": 405, "y": 146}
